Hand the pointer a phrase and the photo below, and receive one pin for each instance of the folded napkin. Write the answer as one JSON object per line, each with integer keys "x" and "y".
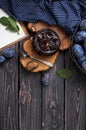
{"x": 66, "y": 13}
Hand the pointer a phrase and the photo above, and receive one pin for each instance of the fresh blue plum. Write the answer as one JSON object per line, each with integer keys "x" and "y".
{"x": 2, "y": 59}
{"x": 81, "y": 59}
{"x": 80, "y": 36}
{"x": 45, "y": 78}
{"x": 45, "y": 82}
{"x": 78, "y": 50}
{"x": 83, "y": 24}
{"x": 84, "y": 65}
{"x": 8, "y": 53}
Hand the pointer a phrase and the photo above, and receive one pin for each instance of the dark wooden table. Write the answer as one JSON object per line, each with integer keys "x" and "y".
{"x": 25, "y": 104}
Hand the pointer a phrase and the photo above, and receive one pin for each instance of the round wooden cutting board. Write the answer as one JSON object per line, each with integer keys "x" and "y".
{"x": 28, "y": 47}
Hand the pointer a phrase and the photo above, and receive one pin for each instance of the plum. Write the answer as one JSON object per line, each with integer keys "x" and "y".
{"x": 84, "y": 65}
{"x": 78, "y": 50}
{"x": 81, "y": 59}
{"x": 8, "y": 53}
{"x": 83, "y": 24}
{"x": 80, "y": 36}
{"x": 45, "y": 78}
{"x": 2, "y": 59}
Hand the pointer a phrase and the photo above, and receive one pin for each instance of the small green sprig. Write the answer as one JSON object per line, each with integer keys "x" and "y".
{"x": 10, "y": 24}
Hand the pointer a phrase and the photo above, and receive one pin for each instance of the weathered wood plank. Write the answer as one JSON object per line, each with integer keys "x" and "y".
{"x": 75, "y": 98}
{"x": 9, "y": 94}
{"x": 53, "y": 100}
{"x": 29, "y": 100}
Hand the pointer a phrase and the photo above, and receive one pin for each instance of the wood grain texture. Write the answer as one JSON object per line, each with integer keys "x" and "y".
{"x": 25, "y": 104}
{"x": 9, "y": 94}
{"x": 53, "y": 100}
{"x": 75, "y": 98}
{"x": 29, "y": 100}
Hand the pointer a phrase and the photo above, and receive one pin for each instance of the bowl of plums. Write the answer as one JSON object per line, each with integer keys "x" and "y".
{"x": 46, "y": 42}
{"x": 78, "y": 46}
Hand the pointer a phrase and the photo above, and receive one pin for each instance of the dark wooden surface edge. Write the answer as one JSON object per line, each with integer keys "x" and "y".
{"x": 25, "y": 104}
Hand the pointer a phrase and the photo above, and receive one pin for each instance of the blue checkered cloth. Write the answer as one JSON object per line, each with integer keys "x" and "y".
{"x": 55, "y": 12}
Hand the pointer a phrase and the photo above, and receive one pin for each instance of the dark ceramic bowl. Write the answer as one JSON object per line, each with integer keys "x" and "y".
{"x": 74, "y": 59}
{"x": 46, "y": 42}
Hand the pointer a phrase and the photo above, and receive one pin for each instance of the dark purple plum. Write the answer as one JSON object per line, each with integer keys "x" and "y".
{"x": 45, "y": 79}
{"x": 2, "y": 59}
{"x": 81, "y": 59}
{"x": 84, "y": 65}
{"x": 80, "y": 36}
{"x": 83, "y": 24}
{"x": 78, "y": 50}
{"x": 8, "y": 53}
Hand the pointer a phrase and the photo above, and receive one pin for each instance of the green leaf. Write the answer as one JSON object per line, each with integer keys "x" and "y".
{"x": 4, "y": 21}
{"x": 10, "y": 24}
{"x": 10, "y": 28}
{"x": 18, "y": 27}
{"x": 64, "y": 73}
{"x": 12, "y": 21}
{"x": 13, "y": 24}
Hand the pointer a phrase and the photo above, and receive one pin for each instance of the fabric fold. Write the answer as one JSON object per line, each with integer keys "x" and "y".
{"x": 66, "y": 13}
